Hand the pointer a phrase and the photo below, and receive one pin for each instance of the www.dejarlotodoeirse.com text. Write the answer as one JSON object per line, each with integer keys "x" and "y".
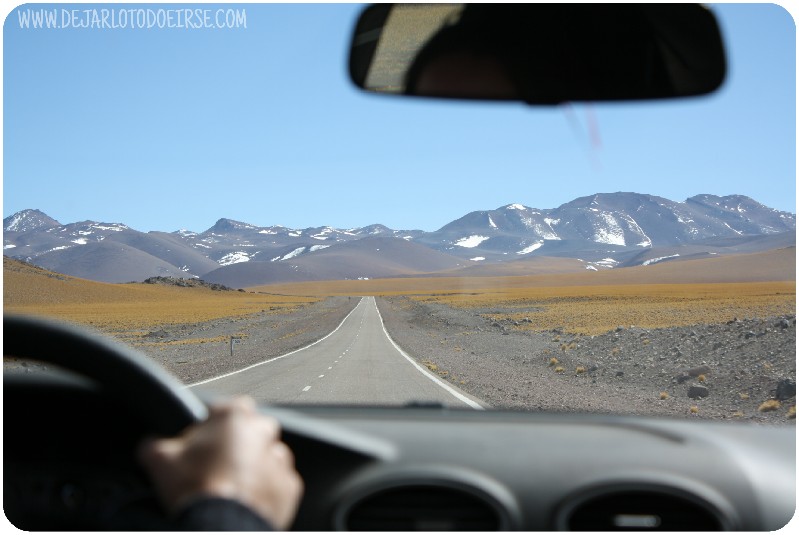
{"x": 132, "y": 18}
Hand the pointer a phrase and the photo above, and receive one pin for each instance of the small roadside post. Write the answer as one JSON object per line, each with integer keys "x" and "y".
{"x": 233, "y": 340}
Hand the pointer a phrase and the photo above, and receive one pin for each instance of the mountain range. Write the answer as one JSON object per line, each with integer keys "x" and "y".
{"x": 597, "y": 232}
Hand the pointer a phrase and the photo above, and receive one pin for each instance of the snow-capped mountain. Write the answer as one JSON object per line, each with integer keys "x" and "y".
{"x": 604, "y": 230}
{"x": 603, "y": 224}
{"x": 28, "y": 220}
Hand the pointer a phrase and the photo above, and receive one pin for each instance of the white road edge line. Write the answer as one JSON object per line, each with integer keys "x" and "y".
{"x": 281, "y": 356}
{"x": 470, "y": 402}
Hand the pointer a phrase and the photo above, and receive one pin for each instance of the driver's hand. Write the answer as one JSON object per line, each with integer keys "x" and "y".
{"x": 236, "y": 454}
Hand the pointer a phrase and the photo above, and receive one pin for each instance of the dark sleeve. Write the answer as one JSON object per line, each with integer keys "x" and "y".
{"x": 220, "y": 514}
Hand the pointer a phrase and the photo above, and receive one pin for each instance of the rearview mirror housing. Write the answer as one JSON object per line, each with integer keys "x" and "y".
{"x": 538, "y": 53}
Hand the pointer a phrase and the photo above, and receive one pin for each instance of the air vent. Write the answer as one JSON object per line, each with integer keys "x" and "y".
{"x": 422, "y": 508}
{"x": 644, "y": 510}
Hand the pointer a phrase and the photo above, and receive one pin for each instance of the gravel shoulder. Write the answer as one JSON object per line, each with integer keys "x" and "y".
{"x": 257, "y": 338}
{"x": 722, "y": 371}
{"x": 713, "y": 371}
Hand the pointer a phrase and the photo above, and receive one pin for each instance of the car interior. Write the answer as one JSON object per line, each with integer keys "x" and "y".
{"x": 70, "y": 432}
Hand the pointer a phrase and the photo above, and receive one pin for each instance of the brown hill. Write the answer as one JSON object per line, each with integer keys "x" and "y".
{"x": 771, "y": 266}
{"x": 31, "y": 290}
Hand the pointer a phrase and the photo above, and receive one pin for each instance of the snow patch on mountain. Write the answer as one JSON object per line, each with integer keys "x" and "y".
{"x": 491, "y": 222}
{"x": 471, "y": 241}
{"x": 317, "y": 248}
{"x": 531, "y": 248}
{"x": 477, "y": 258}
{"x": 234, "y": 258}
{"x": 738, "y": 232}
{"x": 296, "y": 252}
{"x": 636, "y": 228}
{"x": 605, "y": 263}
{"x": 658, "y": 259}
{"x": 610, "y": 231}
{"x": 115, "y": 227}
{"x": 323, "y": 235}
{"x": 16, "y": 223}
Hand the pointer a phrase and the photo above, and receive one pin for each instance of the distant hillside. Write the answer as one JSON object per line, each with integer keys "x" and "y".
{"x": 598, "y": 232}
{"x": 124, "y": 308}
{"x": 367, "y": 258}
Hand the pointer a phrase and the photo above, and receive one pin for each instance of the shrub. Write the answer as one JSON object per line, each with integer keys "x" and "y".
{"x": 769, "y": 405}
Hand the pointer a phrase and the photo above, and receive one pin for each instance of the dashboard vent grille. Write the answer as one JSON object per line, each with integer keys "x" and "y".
{"x": 422, "y": 508}
{"x": 642, "y": 511}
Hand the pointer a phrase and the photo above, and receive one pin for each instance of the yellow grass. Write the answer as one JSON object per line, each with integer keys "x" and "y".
{"x": 127, "y": 307}
{"x": 597, "y": 309}
{"x": 769, "y": 405}
{"x": 593, "y": 303}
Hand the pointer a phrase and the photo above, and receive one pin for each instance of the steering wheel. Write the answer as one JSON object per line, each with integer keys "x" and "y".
{"x": 149, "y": 391}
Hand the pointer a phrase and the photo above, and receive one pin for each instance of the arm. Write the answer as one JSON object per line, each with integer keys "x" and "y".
{"x": 236, "y": 455}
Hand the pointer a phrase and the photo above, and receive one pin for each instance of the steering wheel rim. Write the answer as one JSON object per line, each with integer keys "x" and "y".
{"x": 162, "y": 401}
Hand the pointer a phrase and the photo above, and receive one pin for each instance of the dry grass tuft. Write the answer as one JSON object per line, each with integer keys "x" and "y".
{"x": 560, "y": 369}
{"x": 430, "y": 366}
{"x": 791, "y": 413}
{"x": 743, "y": 395}
{"x": 579, "y": 369}
{"x": 664, "y": 395}
{"x": 553, "y": 361}
{"x": 694, "y": 409}
{"x": 701, "y": 378}
{"x": 769, "y": 405}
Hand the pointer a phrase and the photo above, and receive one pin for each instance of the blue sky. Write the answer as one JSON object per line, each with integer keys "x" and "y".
{"x": 164, "y": 129}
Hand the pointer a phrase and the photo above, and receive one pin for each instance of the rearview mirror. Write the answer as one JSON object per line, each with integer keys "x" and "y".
{"x": 538, "y": 53}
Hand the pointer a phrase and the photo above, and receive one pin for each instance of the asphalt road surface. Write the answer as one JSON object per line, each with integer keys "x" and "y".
{"x": 357, "y": 363}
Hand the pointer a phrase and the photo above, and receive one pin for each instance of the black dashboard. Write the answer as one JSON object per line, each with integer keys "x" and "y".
{"x": 69, "y": 464}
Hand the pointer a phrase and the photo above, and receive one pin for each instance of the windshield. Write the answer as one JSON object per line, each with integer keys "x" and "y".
{"x": 204, "y": 183}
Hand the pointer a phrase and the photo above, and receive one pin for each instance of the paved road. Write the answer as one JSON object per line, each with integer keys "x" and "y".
{"x": 355, "y": 364}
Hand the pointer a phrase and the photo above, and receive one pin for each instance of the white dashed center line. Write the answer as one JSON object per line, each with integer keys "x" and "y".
{"x": 321, "y": 376}
{"x": 307, "y": 388}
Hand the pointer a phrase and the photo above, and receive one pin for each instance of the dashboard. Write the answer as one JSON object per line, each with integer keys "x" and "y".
{"x": 69, "y": 464}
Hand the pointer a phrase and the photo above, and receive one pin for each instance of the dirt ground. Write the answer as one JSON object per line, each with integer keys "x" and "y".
{"x": 724, "y": 371}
